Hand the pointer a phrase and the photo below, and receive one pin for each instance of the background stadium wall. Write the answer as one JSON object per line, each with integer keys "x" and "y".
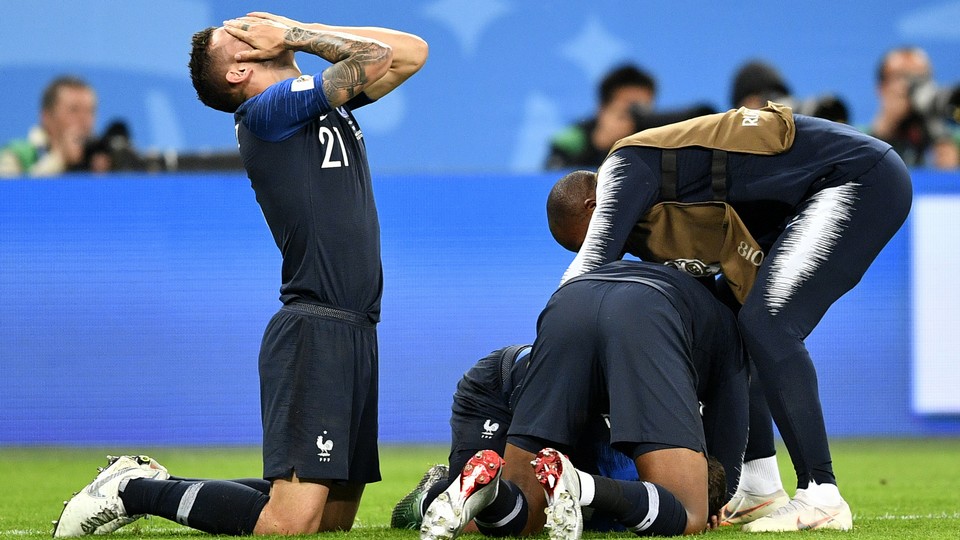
{"x": 131, "y": 308}
{"x": 502, "y": 77}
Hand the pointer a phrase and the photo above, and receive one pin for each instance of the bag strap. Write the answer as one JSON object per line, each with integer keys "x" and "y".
{"x": 668, "y": 175}
{"x": 718, "y": 175}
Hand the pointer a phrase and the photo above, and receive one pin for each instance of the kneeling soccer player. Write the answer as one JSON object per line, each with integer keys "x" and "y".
{"x": 645, "y": 345}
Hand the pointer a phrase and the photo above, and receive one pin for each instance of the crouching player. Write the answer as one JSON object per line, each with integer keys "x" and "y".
{"x": 642, "y": 345}
{"x": 482, "y": 412}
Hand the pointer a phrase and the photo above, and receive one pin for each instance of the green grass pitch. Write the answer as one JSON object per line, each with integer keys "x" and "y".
{"x": 903, "y": 489}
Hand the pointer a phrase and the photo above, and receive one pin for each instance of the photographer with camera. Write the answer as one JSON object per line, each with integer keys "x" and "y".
{"x": 114, "y": 151}
{"x": 68, "y": 111}
{"x": 587, "y": 142}
{"x": 626, "y": 97}
{"x": 757, "y": 82}
{"x": 64, "y": 141}
{"x": 915, "y": 116}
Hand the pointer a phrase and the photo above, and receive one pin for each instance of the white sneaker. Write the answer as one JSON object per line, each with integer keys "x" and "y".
{"x": 745, "y": 507}
{"x": 97, "y": 508}
{"x": 561, "y": 484}
{"x": 473, "y": 491}
{"x": 801, "y": 513}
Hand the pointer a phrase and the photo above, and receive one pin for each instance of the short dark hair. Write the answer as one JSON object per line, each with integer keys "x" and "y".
{"x": 716, "y": 486}
{"x": 625, "y": 75}
{"x": 50, "y": 94}
{"x": 565, "y": 205}
{"x": 758, "y": 77}
{"x": 212, "y": 88}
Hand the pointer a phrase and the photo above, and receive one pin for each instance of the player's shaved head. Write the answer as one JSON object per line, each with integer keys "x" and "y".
{"x": 570, "y": 206}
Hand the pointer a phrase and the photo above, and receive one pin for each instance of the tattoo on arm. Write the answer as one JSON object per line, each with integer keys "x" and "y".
{"x": 347, "y": 77}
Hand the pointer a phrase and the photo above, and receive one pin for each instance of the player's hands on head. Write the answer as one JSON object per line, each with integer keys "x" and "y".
{"x": 275, "y": 18}
{"x": 266, "y": 36}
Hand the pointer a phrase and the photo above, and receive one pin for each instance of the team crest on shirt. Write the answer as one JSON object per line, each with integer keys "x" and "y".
{"x": 301, "y": 83}
{"x": 325, "y": 446}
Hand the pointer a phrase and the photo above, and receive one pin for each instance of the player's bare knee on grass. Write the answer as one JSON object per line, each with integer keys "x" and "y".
{"x": 296, "y": 507}
{"x": 682, "y": 472}
{"x": 340, "y": 510}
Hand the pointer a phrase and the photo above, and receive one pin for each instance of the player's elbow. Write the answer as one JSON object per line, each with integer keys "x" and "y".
{"x": 418, "y": 51}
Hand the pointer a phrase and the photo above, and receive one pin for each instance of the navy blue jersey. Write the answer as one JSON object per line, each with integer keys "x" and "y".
{"x": 765, "y": 190}
{"x": 307, "y": 164}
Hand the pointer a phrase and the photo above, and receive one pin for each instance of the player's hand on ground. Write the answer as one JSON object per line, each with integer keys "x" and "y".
{"x": 267, "y": 37}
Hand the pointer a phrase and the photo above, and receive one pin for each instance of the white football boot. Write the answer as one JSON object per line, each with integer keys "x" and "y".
{"x": 474, "y": 490}
{"x": 745, "y": 507}
{"x": 804, "y": 513}
{"x": 97, "y": 508}
{"x": 561, "y": 484}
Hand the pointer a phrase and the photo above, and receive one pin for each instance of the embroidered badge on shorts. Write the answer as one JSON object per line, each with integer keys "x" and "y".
{"x": 325, "y": 447}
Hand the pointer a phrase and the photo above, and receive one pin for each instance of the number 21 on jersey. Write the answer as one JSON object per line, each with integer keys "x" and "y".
{"x": 330, "y": 138}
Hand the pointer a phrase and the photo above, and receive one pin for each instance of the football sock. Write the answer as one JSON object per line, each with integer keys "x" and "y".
{"x": 587, "y": 488}
{"x": 212, "y": 506}
{"x": 506, "y": 515}
{"x": 825, "y": 494}
{"x": 645, "y": 508}
{"x": 760, "y": 476}
{"x": 259, "y": 484}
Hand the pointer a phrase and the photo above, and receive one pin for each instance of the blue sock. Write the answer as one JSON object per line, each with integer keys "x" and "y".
{"x": 212, "y": 506}
{"x": 506, "y": 515}
{"x": 645, "y": 508}
{"x": 259, "y": 484}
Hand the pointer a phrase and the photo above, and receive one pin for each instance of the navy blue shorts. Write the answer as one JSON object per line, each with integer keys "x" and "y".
{"x": 591, "y": 353}
{"x": 318, "y": 395}
{"x": 481, "y": 412}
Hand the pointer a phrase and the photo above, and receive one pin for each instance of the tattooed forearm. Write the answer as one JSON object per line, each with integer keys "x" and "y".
{"x": 346, "y": 78}
{"x": 349, "y": 55}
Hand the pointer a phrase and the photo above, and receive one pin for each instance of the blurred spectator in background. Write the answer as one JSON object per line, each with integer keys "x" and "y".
{"x": 757, "y": 82}
{"x": 946, "y": 152}
{"x": 65, "y": 141}
{"x": 114, "y": 151}
{"x": 587, "y": 142}
{"x": 915, "y": 116}
{"x": 68, "y": 111}
{"x": 626, "y": 95}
